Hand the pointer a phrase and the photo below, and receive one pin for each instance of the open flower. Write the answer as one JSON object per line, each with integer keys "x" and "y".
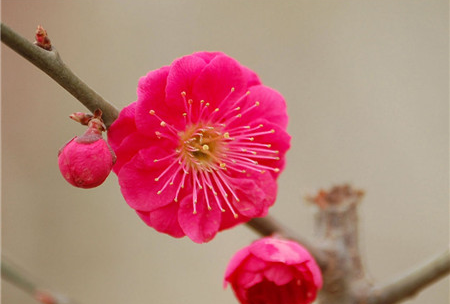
{"x": 201, "y": 148}
{"x": 274, "y": 271}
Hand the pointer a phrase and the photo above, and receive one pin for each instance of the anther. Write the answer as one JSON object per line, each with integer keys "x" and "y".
{"x": 183, "y": 93}
{"x": 205, "y": 147}
{"x": 257, "y": 103}
{"x": 163, "y": 124}
{"x": 152, "y": 112}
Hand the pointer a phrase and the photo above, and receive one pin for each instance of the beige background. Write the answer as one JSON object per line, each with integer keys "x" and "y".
{"x": 366, "y": 84}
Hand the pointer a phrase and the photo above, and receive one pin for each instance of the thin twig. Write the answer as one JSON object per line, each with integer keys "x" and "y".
{"x": 50, "y": 62}
{"x": 20, "y": 279}
{"x": 411, "y": 283}
{"x": 268, "y": 226}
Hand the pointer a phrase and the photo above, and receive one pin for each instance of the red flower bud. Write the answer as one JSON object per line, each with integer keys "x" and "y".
{"x": 42, "y": 39}
{"x": 86, "y": 161}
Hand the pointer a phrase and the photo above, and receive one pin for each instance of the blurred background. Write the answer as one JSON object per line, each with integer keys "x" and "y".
{"x": 366, "y": 83}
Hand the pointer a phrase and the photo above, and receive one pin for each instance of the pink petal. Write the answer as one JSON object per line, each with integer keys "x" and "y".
{"x": 122, "y": 126}
{"x": 182, "y": 75}
{"x": 251, "y": 77}
{"x": 234, "y": 263}
{"x": 202, "y": 226}
{"x": 255, "y": 203}
{"x": 137, "y": 180}
{"x": 279, "y": 273}
{"x": 216, "y": 81}
{"x": 269, "y": 293}
{"x": 254, "y": 264}
{"x": 207, "y": 56}
{"x": 164, "y": 219}
{"x": 247, "y": 279}
{"x": 311, "y": 271}
{"x": 228, "y": 220}
{"x": 277, "y": 250}
{"x": 272, "y": 106}
{"x": 152, "y": 96}
{"x": 280, "y": 141}
{"x": 129, "y": 147}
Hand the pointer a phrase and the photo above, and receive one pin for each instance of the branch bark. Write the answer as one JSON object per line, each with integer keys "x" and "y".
{"x": 411, "y": 283}
{"x": 50, "y": 62}
{"x": 20, "y": 279}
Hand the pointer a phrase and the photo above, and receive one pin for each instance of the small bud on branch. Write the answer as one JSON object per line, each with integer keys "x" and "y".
{"x": 42, "y": 39}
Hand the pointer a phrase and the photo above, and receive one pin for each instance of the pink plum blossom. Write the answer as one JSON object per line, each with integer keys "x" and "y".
{"x": 201, "y": 148}
{"x": 274, "y": 271}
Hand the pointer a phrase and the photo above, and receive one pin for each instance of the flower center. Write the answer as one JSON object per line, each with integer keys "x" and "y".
{"x": 201, "y": 145}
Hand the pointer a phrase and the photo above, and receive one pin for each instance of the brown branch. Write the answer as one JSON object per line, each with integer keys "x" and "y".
{"x": 50, "y": 62}
{"x": 20, "y": 279}
{"x": 268, "y": 226}
{"x": 411, "y": 283}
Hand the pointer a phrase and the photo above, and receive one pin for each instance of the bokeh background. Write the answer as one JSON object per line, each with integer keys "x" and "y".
{"x": 366, "y": 83}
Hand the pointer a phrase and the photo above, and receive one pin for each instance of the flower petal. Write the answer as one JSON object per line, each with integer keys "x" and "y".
{"x": 129, "y": 147}
{"x": 182, "y": 75}
{"x": 137, "y": 180}
{"x": 272, "y": 106}
{"x": 202, "y": 226}
{"x": 276, "y": 250}
{"x": 250, "y": 76}
{"x": 311, "y": 270}
{"x": 152, "y": 96}
{"x": 254, "y": 264}
{"x": 217, "y": 79}
{"x": 279, "y": 273}
{"x": 234, "y": 263}
{"x": 122, "y": 126}
{"x": 207, "y": 56}
{"x": 247, "y": 279}
{"x": 255, "y": 203}
{"x": 164, "y": 219}
{"x": 228, "y": 220}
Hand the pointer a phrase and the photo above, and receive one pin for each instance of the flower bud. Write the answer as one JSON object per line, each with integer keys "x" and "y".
{"x": 42, "y": 39}
{"x": 274, "y": 271}
{"x": 87, "y": 160}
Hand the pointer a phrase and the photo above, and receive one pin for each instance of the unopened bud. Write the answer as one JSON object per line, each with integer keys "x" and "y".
{"x": 42, "y": 39}
{"x": 87, "y": 160}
